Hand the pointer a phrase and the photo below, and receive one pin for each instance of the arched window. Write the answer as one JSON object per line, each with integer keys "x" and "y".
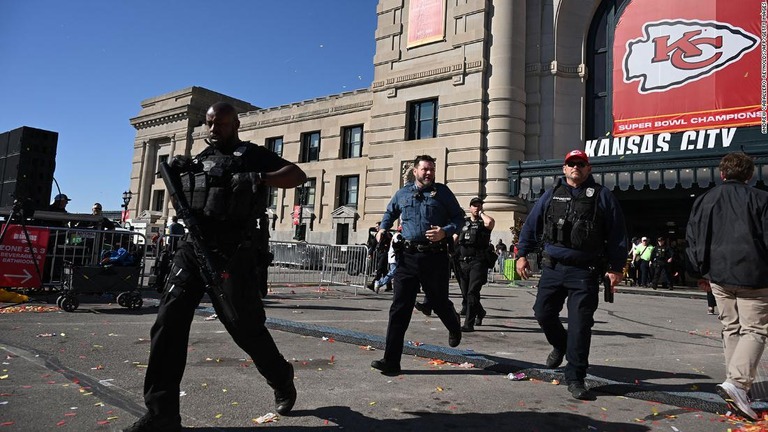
{"x": 599, "y": 65}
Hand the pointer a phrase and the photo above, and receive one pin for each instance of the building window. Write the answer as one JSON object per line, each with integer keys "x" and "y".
{"x": 352, "y": 147}
{"x": 158, "y": 200}
{"x": 160, "y": 160}
{"x": 305, "y": 194}
{"x": 598, "y": 106}
{"x": 305, "y": 198}
{"x": 273, "y": 196}
{"x": 310, "y": 147}
{"x": 422, "y": 119}
{"x": 276, "y": 145}
{"x": 348, "y": 187}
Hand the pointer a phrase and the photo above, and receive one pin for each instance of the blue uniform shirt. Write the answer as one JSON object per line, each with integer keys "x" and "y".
{"x": 420, "y": 209}
{"x": 616, "y": 237}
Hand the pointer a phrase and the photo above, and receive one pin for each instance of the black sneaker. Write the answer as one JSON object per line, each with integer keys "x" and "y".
{"x": 555, "y": 358}
{"x": 386, "y": 367}
{"x": 426, "y": 310}
{"x": 454, "y": 339}
{"x": 150, "y": 423}
{"x": 579, "y": 391}
{"x": 463, "y": 311}
{"x": 285, "y": 396}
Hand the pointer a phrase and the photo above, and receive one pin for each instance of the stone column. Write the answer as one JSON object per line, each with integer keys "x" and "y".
{"x": 506, "y": 101}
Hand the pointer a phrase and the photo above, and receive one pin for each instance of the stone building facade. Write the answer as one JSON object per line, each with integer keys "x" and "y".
{"x": 497, "y": 90}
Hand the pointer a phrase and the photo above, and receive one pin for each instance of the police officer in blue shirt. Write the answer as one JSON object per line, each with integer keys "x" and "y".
{"x": 430, "y": 216}
{"x": 581, "y": 226}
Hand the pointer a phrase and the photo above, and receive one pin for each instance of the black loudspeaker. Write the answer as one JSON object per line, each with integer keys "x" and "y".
{"x": 27, "y": 163}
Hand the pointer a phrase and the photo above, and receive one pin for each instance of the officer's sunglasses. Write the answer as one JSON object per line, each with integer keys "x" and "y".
{"x": 576, "y": 164}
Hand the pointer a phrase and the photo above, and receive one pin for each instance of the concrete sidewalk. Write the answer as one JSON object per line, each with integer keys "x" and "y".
{"x": 655, "y": 345}
{"x": 655, "y": 362}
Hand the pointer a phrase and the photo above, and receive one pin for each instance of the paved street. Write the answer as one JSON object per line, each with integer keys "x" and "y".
{"x": 655, "y": 362}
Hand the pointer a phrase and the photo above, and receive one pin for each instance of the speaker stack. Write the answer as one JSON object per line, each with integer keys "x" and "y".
{"x": 27, "y": 163}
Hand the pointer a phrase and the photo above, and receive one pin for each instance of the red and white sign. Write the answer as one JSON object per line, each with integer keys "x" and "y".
{"x": 296, "y": 214}
{"x": 426, "y": 22}
{"x": 17, "y": 268}
{"x": 686, "y": 65}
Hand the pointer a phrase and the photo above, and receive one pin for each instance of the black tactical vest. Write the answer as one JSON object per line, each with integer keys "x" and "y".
{"x": 474, "y": 236}
{"x": 575, "y": 222}
{"x": 208, "y": 187}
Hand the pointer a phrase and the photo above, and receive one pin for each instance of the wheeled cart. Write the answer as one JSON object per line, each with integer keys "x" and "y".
{"x": 100, "y": 279}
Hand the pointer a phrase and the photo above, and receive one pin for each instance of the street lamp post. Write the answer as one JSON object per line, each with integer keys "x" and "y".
{"x": 127, "y": 195}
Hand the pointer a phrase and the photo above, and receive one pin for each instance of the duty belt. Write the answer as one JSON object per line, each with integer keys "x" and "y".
{"x": 424, "y": 247}
{"x": 549, "y": 261}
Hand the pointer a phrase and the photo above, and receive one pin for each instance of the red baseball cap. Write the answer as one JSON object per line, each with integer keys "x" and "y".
{"x": 576, "y": 154}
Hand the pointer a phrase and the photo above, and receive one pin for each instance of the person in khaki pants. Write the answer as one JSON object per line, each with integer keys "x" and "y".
{"x": 728, "y": 249}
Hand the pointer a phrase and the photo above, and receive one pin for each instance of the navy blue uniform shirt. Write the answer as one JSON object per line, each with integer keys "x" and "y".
{"x": 615, "y": 230}
{"x": 420, "y": 209}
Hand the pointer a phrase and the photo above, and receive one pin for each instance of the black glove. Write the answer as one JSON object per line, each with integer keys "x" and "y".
{"x": 180, "y": 163}
{"x": 241, "y": 181}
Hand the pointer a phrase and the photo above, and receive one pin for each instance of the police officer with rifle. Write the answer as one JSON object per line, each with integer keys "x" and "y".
{"x": 474, "y": 246}
{"x": 222, "y": 196}
{"x": 581, "y": 226}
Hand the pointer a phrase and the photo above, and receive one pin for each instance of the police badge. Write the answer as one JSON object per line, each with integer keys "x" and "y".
{"x": 590, "y": 192}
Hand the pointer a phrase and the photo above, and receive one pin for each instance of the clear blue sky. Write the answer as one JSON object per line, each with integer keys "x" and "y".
{"x": 82, "y": 67}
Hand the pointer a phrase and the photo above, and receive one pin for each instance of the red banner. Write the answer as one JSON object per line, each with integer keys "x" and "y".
{"x": 686, "y": 65}
{"x": 426, "y": 22}
{"x": 17, "y": 268}
{"x": 296, "y": 214}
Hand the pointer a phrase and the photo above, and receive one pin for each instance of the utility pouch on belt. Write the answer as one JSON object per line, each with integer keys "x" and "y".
{"x": 547, "y": 261}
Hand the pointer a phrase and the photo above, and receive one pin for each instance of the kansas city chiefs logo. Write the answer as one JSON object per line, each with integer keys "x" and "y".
{"x": 675, "y": 53}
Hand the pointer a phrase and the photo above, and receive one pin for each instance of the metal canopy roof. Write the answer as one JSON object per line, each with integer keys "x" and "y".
{"x": 529, "y": 179}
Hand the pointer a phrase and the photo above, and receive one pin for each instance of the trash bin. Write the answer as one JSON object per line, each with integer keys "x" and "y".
{"x": 510, "y": 269}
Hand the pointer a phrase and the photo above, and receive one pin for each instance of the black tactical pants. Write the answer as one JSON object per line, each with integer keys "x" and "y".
{"x": 170, "y": 333}
{"x": 474, "y": 274}
{"x": 430, "y": 270}
{"x": 580, "y": 286}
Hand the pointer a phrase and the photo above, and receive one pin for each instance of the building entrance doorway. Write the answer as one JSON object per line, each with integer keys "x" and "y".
{"x": 657, "y": 213}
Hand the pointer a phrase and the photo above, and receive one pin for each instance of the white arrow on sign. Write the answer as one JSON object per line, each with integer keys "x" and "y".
{"x": 26, "y": 276}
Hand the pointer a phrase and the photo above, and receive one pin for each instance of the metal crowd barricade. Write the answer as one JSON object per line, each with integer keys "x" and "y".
{"x": 312, "y": 264}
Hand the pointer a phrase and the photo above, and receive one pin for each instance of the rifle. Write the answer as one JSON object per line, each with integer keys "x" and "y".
{"x": 212, "y": 278}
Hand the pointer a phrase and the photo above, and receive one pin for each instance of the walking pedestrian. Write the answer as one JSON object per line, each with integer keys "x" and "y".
{"x": 662, "y": 259}
{"x": 728, "y": 250}
{"x": 473, "y": 245}
{"x": 641, "y": 256}
{"x": 430, "y": 216}
{"x": 582, "y": 227}
{"x": 234, "y": 175}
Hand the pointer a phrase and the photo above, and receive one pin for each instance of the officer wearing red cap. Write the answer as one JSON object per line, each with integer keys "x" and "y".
{"x": 582, "y": 228}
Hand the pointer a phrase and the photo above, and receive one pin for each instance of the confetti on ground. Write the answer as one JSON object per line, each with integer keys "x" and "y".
{"x": 368, "y": 348}
{"x": 329, "y": 339}
{"x": 439, "y": 389}
{"x": 28, "y": 308}
{"x": 516, "y": 376}
{"x": 556, "y": 381}
{"x": 266, "y": 418}
{"x": 46, "y": 335}
{"x": 467, "y": 365}
{"x": 437, "y": 362}
{"x": 213, "y": 317}
{"x": 414, "y": 343}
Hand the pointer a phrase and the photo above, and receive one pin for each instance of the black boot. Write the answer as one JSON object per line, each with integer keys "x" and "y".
{"x": 469, "y": 321}
{"x": 479, "y": 317}
{"x": 285, "y": 395}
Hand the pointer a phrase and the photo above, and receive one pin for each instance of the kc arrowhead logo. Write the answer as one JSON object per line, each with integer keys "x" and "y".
{"x": 675, "y": 53}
